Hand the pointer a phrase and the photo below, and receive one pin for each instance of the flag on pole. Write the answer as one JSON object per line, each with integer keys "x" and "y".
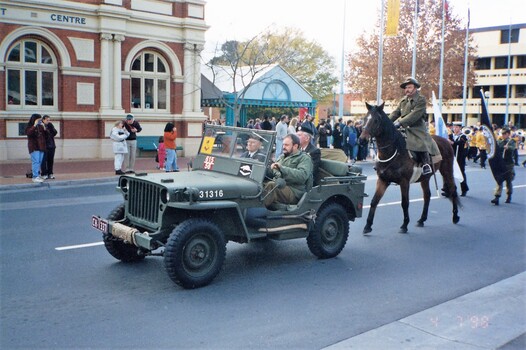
{"x": 393, "y": 15}
{"x": 495, "y": 153}
{"x": 441, "y": 130}
{"x": 440, "y": 125}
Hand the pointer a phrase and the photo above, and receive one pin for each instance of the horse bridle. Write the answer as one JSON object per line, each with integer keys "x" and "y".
{"x": 373, "y": 132}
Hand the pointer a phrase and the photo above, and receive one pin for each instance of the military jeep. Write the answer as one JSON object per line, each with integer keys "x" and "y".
{"x": 188, "y": 217}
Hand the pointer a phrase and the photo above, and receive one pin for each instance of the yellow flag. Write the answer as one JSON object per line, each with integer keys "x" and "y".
{"x": 393, "y": 14}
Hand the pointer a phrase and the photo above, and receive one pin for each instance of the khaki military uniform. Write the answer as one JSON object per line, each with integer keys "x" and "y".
{"x": 411, "y": 114}
{"x": 296, "y": 170}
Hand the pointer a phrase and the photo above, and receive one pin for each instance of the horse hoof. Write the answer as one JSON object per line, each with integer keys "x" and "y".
{"x": 402, "y": 230}
{"x": 367, "y": 230}
{"x": 456, "y": 219}
{"x": 419, "y": 223}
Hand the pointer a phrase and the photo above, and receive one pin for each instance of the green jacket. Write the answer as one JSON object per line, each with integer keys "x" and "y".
{"x": 507, "y": 154}
{"x": 412, "y": 116}
{"x": 296, "y": 170}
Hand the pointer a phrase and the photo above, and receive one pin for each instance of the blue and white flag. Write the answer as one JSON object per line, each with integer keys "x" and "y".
{"x": 441, "y": 130}
{"x": 440, "y": 125}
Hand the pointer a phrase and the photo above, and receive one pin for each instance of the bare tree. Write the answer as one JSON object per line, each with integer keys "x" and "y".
{"x": 242, "y": 64}
{"x": 398, "y": 52}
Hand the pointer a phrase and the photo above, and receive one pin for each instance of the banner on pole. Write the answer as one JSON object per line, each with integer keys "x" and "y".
{"x": 393, "y": 15}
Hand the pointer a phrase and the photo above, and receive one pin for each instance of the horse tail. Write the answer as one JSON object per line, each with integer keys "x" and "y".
{"x": 446, "y": 170}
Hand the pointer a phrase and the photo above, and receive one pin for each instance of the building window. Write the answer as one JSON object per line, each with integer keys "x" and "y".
{"x": 505, "y": 36}
{"x": 149, "y": 83}
{"x": 499, "y": 91}
{"x": 501, "y": 62}
{"x": 31, "y": 76}
{"x": 521, "y": 61}
{"x": 483, "y": 63}
{"x": 520, "y": 91}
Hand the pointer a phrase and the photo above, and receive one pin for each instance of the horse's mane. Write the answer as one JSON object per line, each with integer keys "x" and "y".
{"x": 388, "y": 130}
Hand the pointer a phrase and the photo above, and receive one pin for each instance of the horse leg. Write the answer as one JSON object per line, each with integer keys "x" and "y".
{"x": 427, "y": 198}
{"x": 446, "y": 170}
{"x": 381, "y": 187}
{"x": 404, "y": 190}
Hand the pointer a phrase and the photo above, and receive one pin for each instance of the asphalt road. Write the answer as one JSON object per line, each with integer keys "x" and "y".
{"x": 58, "y": 293}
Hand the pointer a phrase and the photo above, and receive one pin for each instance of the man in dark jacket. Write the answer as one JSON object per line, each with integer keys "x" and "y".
{"x": 411, "y": 114}
{"x": 305, "y": 133}
{"x": 133, "y": 128}
{"x": 459, "y": 140}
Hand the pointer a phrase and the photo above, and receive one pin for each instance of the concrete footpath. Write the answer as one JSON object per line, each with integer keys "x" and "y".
{"x": 71, "y": 171}
{"x": 493, "y": 317}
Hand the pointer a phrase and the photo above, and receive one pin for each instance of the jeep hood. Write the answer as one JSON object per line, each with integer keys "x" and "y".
{"x": 211, "y": 185}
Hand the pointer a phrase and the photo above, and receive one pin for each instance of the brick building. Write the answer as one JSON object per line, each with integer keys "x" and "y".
{"x": 88, "y": 63}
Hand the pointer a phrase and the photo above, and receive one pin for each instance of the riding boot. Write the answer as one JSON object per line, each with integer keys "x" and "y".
{"x": 495, "y": 200}
{"x": 426, "y": 161}
{"x": 508, "y": 199}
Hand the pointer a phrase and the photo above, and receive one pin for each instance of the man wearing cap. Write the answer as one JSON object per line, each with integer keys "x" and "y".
{"x": 411, "y": 114}
{"x": 133, "y": 128}
{"x": 507, "y": 146}
{"x": 458, "y": 140}
{"x": 253, "y": 147}
{"x": 305, "y": 133}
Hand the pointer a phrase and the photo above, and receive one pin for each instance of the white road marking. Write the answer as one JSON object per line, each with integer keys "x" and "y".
{"x": 87, "y": 245}
{"x": 79, "y": 246}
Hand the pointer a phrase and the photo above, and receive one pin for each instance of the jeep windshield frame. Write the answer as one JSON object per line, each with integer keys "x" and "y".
{"x": 223, "y": 149}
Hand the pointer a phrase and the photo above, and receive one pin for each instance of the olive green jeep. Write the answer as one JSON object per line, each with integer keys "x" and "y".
{"x": 188, "y": 217}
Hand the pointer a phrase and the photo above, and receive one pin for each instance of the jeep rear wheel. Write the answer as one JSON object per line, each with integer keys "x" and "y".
{"x": 194, "y": 253}
{"x": 116, "y": 247}
{"x": 330, "y": 232}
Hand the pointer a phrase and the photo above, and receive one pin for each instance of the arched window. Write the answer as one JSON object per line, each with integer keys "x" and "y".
{"x": 276, "y": 90}
{"x": 150, "y": 79}
{"x": 31, "y": 76}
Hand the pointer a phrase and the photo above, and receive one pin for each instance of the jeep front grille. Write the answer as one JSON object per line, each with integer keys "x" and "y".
{"x": 144, "y": 200}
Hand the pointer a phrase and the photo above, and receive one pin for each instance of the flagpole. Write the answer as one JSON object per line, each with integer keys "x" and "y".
{"x": 508, "y": 83}
{"x": 380, "y": 56}
{"x": 415, "y": 29}
{"x": 340, "y": 107}
{"x": 464, "y": 91}
{"x": 442, "y": 56}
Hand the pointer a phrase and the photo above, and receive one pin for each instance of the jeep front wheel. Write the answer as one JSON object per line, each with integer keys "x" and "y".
{"x": 194, "y": 253}
{"x": 330, "y": 232}
{"x": 116, "y": 247}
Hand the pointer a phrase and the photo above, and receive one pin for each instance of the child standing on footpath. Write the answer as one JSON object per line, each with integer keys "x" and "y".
{"x": 161, "y": 153}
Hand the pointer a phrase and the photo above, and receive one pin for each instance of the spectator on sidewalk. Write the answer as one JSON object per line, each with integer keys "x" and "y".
{"x": 118, "y": 135}
{"x": 170, "y": 135}
{"x": 161, "y": 153}
{"x": 49, "y": 155}
{"x": 133, "y": 128}
{"x": 36, "y": 144}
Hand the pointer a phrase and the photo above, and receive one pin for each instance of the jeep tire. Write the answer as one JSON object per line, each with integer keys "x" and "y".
{"x": 330, "y": 232}
{"x": 194, "y": 253}
{"x": 116, "y": 247}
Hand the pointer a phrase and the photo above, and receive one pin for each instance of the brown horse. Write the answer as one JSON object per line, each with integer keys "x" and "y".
{"x": 395, "y": 165}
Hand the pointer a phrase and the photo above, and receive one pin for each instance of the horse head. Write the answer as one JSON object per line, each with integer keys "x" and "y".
{"x": 374, "y": 121}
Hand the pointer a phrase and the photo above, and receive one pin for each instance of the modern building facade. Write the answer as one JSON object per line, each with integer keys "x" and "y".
{"x": 494, "y": 46}
{"x": 89, "y": 63}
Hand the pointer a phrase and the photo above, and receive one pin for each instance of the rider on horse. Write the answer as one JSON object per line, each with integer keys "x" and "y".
{"x": 411, "y": 114}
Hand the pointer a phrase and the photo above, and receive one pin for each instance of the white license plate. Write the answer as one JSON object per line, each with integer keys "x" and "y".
{"x": 99, "y": 223}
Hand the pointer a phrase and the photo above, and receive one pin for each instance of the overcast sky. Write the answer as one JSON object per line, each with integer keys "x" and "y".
{"x": 322, "y": 21}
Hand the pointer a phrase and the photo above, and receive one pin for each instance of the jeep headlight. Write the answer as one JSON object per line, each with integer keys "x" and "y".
{"x": 165, "y": 195}
{"x": 124, "y": 185}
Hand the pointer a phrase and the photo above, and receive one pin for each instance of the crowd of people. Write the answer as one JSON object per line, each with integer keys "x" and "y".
{"x": 327, "y": 134}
